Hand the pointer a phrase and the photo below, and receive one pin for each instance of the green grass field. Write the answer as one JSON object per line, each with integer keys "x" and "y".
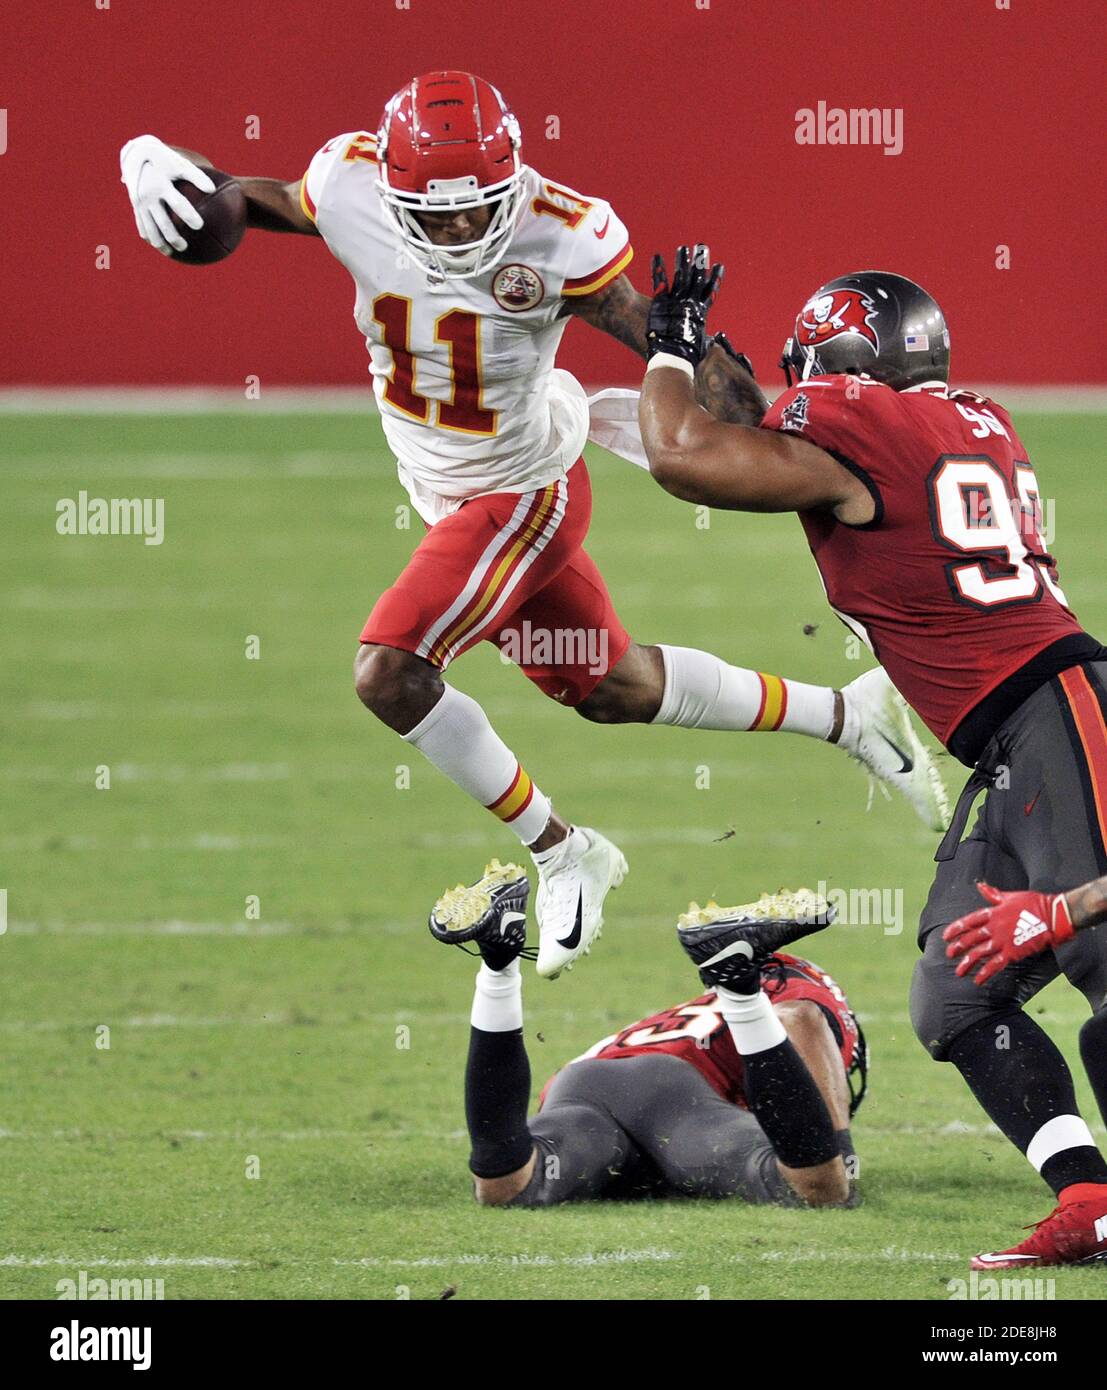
{"x": 270, "y": 1043}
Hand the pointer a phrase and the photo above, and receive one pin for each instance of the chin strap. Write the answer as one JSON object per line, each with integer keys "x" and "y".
{"x": 788, "y": 366}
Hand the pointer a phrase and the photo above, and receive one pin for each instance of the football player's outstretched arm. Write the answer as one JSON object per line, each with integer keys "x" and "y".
{"x": 738, "y": 467}
{"x": 709, "y": 461}
{"x": 724, "y": 383}
{"x": 271, "y": 204}
{"x": 617, "y": 309}
{"x": 150, "y": 168}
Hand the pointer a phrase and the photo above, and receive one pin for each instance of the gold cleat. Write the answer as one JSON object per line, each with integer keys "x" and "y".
{"x": 730, "y": 945}
{"x": 490, "y": 912}
{"x": 785, "y": 905}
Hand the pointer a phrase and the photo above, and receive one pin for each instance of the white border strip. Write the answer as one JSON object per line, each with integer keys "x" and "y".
{"x": 185, "y": 400}
{"x": 359, "y": 400}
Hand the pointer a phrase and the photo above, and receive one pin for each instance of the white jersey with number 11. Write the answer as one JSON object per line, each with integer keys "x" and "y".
{"x": 463, "y": 370}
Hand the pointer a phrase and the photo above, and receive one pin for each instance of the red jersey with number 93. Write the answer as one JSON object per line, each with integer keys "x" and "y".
{"x": 951, "y": 584}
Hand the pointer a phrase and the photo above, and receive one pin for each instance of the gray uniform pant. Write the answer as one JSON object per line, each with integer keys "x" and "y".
{"x": 1041, "y": 827}
{"x": 646, "y": 1125}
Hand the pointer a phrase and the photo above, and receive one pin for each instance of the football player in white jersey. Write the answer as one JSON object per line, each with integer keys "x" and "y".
{"x": 468, "y": 265}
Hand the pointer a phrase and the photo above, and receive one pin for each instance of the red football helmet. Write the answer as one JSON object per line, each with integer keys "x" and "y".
{"x": 447, "y": 142}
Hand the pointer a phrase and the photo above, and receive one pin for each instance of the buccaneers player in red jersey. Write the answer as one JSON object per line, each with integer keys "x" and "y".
{"x": 745, "y": 1091}
{"x": 922, "y": 511}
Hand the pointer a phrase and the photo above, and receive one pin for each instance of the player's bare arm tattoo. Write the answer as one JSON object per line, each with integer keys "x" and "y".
{"x": 271, "y": 204}
{"x": 617, "y": 309}
{"x": 1088, "y": 903}
{"x": 726, "y": 390}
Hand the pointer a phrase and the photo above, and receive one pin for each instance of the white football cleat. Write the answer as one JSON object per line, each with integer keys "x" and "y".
{"x": 572, "y": 884}
{"x": 878, "y": 732}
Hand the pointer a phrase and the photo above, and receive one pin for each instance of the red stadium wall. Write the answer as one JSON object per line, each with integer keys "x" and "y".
{"x": 683, "y": 116}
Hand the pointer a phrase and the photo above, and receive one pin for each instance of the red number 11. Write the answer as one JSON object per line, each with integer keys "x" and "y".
{"x": 460, "y": 331}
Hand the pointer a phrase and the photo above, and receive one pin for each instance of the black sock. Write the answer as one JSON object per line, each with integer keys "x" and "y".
{"x": 1023, "y": 1084}
{"x": 789, "y": 1107}
{"x": 497, "y": 1090}
{"x": 1093, "y": 1052}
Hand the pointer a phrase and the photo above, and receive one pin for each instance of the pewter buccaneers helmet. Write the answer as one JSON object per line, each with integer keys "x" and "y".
{"x": 448, "y": 142}
{"x": 874, "y": 324}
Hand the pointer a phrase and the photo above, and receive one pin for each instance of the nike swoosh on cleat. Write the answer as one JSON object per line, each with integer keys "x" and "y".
{"x": 907, "y": 763}
{"x": 736, "y": 948}
{"x": 508, "y": 920}
{"x": 572, "y": 941}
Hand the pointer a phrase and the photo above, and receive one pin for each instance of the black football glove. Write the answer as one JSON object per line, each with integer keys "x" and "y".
{"x": 722, "y": 341}
{"x": 678, "y": 314}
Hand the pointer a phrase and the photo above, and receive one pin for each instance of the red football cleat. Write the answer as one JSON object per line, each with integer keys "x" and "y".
{"x": 1074, "y": 1233}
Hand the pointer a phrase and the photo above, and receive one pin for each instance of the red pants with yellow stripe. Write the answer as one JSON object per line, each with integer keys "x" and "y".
{"x": 510, "y": 568}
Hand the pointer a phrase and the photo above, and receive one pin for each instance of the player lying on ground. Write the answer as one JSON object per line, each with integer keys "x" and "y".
{"x": 922, "y": 512}
{"x": 468, "y": 266}
{"x": 742, "y": 1092}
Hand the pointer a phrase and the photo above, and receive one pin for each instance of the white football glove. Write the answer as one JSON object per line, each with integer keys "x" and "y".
{"x": 149, "y": 167}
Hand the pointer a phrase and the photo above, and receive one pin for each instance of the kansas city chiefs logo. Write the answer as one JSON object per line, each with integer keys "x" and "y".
{"x": 829, "y": 315}
{"x": 517, "y": 288}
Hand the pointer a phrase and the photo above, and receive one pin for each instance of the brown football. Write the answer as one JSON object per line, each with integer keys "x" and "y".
{"x": 224, "y": 214}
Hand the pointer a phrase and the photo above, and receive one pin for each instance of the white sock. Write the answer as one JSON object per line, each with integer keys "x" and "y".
{"x": 498, "y": 999}
{"x": 1055, "y": 1136}
{"x": 703, "y": 692}
{"x": 458, "y": 739}
{"x": 753, "y": 1022}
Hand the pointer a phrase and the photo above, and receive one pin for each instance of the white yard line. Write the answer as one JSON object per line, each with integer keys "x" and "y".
{"x": 658, "y": 835}
{"x": 634, "y": 768}
{"x": 180, "y": 928}
{"x": 150, "y": 709}
{"x": 408, "y": 1014}
{"x": 220, "y": 1136}
{"x": 206, "y": 842}
{"x": 835, "y": 1255}
{"x": 955, "y": 1129}
{"x": 136, "y": 600}
{"x": 193, "y": 466}
{"x": 589, "y": 1259}
{"x": 100, "y": 1262}
{"x": 152, "y": 772}
{"x": 185, "y": 400}
{"x": 14, "y": 1025}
